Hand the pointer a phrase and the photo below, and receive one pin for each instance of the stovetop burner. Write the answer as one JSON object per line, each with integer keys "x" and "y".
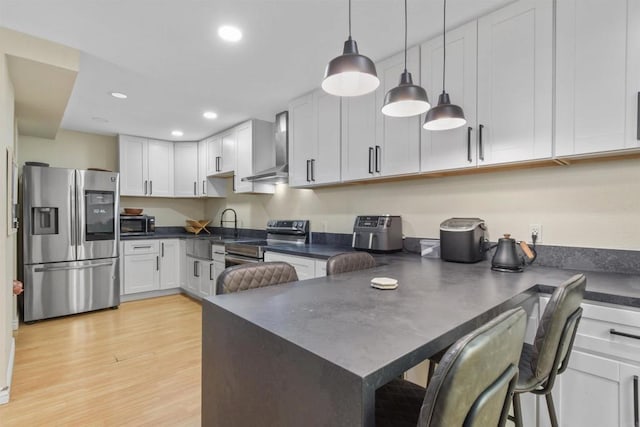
{"x": 278, "y": 231}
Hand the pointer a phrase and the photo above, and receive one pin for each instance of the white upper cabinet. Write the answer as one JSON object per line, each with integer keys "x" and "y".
{"x": 515, "y": 83}
{"x": 397, "y": 151}
{"x": 301, "y": 140}
{"x": 597, "y": 76}
{"x": 314, "y": 140}
{"x": 455, "y": 148}
{"x": 358, "y": 136}
{"x": 255, "y": 152}
{"x": 222, "y": 157}
{"x": 160, "y": 168}
{"x": 133, "y": 165}
{"x": 186, "y": 169}
{"x": 146, "y": 167}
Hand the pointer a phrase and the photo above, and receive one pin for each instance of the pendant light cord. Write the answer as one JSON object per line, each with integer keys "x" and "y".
{"x": 444, "y": 41}
{"x": 405, "y": 35}
{"x": 349, "y": 19}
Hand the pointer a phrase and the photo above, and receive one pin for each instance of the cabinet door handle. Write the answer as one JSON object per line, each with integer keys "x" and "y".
{"x": 217, "y": 163}
{"x": 211, "y": 271}
{"x": 308, "y": 163}
{"x": 313, "y": 170}
{"x": 636, "y": 416}
{"x": 150, "y": 187}
{"x": 469, "y": 159}
{"x": 204, "y": 190}
{"x": 378, "y": 157}
{"x": 157, "y": 263}
{"x": 195, "y": 188}
{"x": 480, "y": 145}
{"x": 196, "y": 265}
{"x": 370, "y": 159}
{"x": 145, "y": 187}
{"x": 162, "y": 246}
{"x": 624, "y": 334}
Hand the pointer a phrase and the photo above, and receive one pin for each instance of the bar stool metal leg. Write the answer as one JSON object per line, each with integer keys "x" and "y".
{"x": 552, "y": 410}
{"x": 517, "y": 410}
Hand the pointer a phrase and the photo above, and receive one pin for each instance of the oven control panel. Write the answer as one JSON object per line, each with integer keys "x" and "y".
{"x": 287, "y": 225}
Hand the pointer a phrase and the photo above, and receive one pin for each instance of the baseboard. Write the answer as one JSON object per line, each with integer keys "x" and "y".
{"x": 5, "y": 392}
{"x": 150, "y": 294}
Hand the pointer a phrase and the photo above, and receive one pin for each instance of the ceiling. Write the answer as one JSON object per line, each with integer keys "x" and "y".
{"x": 166, "y": 56}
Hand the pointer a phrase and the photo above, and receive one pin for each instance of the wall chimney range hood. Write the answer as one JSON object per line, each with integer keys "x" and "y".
{"x": 280, "y": 172}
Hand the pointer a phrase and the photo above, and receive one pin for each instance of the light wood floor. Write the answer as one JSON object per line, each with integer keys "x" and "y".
{"x": 134, "y": 366}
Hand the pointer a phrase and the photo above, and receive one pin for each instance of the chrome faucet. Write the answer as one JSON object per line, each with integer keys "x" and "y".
{"x": 235, "y": 221}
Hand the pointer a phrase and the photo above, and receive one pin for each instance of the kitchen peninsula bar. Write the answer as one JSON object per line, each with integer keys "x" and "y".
{"x": 313, "y": 353}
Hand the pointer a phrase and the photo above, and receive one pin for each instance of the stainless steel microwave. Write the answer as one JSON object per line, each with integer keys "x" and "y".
{"x": 137, "y": 225}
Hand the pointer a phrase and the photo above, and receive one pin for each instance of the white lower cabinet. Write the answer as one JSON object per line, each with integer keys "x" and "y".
{"x": 150, "y": 265}
{"x": 141, "y": 266}
{"x": 202, "y": 275}
{"x": 170, "y": 276}
{"x": 598, "y": 387}
{"x": 306, "y": 268}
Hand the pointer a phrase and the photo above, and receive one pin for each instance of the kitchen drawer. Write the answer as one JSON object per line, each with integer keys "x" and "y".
{"x": 305, "y": 267}
{"x": 139, "y": 247}
{"x": 594, "y": 332}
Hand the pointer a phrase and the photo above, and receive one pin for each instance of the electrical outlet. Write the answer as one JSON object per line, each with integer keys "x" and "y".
{"x": 535, "y": 229}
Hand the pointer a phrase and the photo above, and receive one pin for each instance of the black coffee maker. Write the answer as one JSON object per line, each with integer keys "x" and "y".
{"x": 507, "y": 258}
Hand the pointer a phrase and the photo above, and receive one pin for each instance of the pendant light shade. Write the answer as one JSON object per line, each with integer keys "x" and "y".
{"x": 406, "y": 99}
{"x": 445, "y": 115}
{"x": 350, "y": 74}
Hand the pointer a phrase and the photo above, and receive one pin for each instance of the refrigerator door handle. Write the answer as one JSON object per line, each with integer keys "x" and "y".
{"x": 102, "y": 264}
{"x": 72, "y": 209}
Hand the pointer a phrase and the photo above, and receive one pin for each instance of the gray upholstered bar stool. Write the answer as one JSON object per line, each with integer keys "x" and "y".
{"x": 349, "y": 261}
{"x": 472, "y": 385}
{"x": 541, "y": 362}
{"x": 254, "y": 275}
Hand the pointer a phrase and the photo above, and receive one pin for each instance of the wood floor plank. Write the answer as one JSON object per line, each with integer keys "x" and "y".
{"x": 135, "y": 366}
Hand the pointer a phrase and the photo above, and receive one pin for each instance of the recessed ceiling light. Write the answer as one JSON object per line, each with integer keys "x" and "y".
{"x": 210, "y": 115}
{"x": 119, "y": 95}
{"x": 177, "y": 133}
{"x": 230, "y": 33}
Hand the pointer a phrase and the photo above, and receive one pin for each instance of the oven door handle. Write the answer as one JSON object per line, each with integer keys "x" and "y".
{"x": 240, "y": 260}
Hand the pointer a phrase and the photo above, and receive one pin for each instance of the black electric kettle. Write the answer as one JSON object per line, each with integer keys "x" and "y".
{"x": 506, "y": 257}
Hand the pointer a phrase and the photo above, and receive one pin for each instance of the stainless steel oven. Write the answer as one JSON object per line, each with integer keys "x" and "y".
{"x": 278, "y": 232}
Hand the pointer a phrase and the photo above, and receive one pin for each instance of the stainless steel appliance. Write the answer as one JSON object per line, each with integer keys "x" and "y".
{"x": 462, "y": 240}
{"x": 278, "y": 232}
{"x": 377, "y": 233}
{"x": 280, "y": 172}
{"x": 70, "y": 241}
{"x": 137, "y": 225}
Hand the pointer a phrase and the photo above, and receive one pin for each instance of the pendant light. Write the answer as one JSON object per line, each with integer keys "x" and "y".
{"x": 406, "y": 99}
{"x": 445, "y": 115}
{"x": 350, "y": 74}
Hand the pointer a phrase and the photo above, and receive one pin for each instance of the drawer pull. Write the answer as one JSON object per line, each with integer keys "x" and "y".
{"x": 636, "y": 417}
{"x": 142, "y": 247}
{"x": 623, "y": 334}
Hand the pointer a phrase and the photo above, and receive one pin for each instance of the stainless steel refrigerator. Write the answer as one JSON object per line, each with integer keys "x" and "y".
{"x": 70, "y": 241}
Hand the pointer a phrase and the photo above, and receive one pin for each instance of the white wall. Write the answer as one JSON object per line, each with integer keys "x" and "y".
{"x": 74, "y": 150}
{"x": 587, "y": 205}
{"x": 168, "y": 212}
{"x": 7, "y": 242}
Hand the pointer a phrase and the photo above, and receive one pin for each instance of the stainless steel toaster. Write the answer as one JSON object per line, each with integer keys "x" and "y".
{"x": 462, "y": 239}
{"x": 377, "y": 233}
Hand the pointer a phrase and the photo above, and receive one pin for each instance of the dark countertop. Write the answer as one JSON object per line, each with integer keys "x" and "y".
{"x": 434, "y": 302}
{"x": 621, "y": 289}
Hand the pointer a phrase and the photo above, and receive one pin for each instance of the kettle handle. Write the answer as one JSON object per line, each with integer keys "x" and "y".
{"x": 530, "y": 252}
